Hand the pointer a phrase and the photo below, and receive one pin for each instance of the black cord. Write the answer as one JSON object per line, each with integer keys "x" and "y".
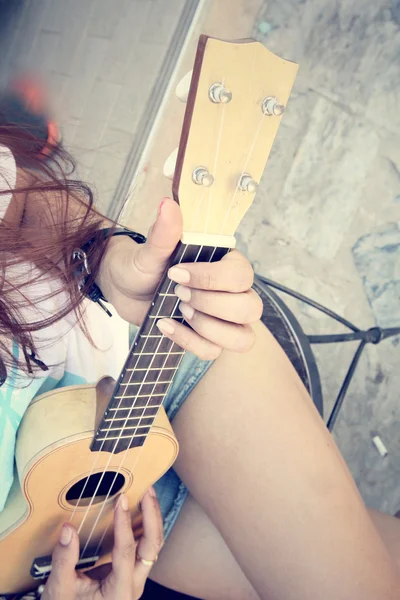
{"x": 342, "y": 393}
{"x": 374, "y": 335}
{"x": 312, "y": 303}
{"x": 336, "y": 337}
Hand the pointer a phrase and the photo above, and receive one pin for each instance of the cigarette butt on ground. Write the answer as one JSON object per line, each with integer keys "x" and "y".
{"x": 379, "y": 445}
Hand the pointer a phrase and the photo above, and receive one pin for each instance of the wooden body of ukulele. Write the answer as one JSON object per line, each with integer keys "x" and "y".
{"x": 53, "y": 454}
{"x": 237, "y": 94}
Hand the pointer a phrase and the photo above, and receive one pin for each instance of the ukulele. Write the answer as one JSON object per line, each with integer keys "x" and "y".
{"x": 79, "y": 447}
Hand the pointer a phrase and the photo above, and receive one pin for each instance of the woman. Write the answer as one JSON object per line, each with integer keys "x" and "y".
{"x": 260, "y": 503}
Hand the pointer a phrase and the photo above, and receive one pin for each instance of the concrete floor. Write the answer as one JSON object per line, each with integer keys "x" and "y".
{"x": 100, "y": 60}
{"x": 326, "y": 218}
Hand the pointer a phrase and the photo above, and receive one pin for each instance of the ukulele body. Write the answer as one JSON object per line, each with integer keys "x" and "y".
{"x": 52, "y": 454}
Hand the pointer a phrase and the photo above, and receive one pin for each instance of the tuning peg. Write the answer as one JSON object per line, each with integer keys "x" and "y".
{"x": 182, "y": 89}
{"x": 170, "y": 164}
{"x": 247, "y": 184}
{"x": 271, "y": 107}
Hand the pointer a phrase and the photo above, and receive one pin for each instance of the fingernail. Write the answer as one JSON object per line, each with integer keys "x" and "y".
{"x": 183, "y": 292}
{"x": 179, "y": 275}
{"x": 65, "y": 535}
{"x": 152, "y": 492}
{"x": 165, "y": 327}
{"x": 160, "y": 206}
{"x": 123, "y": 502}
{"x": 186, "y": 310}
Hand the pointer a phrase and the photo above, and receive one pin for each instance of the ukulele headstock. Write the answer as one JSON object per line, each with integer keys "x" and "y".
{"x": 238, "y": 92}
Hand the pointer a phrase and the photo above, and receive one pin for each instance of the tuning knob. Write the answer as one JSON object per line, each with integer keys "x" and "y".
{"x": 201, "y": 176}
{"x": 170, "y": 164}
{"x": 182, "y": 89}
{"x": 219, "y": 94}
{"x": 271, "y": 107}
{"x": 247, "y": 184}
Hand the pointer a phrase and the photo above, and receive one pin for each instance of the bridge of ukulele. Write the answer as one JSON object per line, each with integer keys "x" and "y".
{"x": 41, "y": 566}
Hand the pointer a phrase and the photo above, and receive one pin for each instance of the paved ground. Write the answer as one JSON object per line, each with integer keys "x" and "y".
{"x": 326, "y": 219}
{"x": 100, "y": 59}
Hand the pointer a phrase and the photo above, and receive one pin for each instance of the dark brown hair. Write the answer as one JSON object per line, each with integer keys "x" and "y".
{"x": 57, "y": 217}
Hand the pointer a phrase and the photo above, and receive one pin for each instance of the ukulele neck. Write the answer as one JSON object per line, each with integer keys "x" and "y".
{"x": 151, "y": 365}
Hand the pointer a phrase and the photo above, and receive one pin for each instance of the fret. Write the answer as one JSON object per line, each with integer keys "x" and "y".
{"x": 126, "y": 396}
{"x": 130, "y": 421}
{"x": 159, "y": 353}
{"x": 172, "y": 295}
{"x": 154, "y": 369}
{"x": 140, "y": 383}
{"x": 148, "y": 411}
{"x": 165, "y": 317}
{"x": 125, "y": 428}
{"x": 159, "y": 336}
{"x": 117, "y": 437}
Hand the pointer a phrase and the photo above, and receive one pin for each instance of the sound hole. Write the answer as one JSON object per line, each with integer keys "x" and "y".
{"x": 84, "y": 489}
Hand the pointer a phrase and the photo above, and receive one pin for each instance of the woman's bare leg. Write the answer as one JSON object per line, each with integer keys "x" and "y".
{"x": 258, "y": 459}
{"x": 196, "y": 561}
{"x": 389, "y": 530}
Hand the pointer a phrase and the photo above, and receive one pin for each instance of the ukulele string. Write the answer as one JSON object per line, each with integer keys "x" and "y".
{"x": 218, "y": 145}
{"x": 157, "y": 380}
{"x": 125, "y": 453}
{"x": 129, "y": 415}
{"x": 242, "y": 173}
{"x": 205, "y": 229}
{"x": 214, "y": 171}
{"x": 77, "y": 505}
{"x": 238, "y": 183}
{"x": 212, "y": 255}
{"x": 105, "y": 439}
{"x": 150, "y": 396}
{"x": 112, "y": 420}
{"x": 149, "y": 399}
{"x": 121, "y": 399}
{"x": 173, "y": 311}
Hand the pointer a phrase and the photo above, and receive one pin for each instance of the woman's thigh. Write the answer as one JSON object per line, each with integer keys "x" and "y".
{"x": 258, "y": 459}
{"x": 196, "y": 561}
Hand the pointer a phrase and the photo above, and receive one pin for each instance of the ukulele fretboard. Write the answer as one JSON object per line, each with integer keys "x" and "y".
{"x": 150, "y": 367}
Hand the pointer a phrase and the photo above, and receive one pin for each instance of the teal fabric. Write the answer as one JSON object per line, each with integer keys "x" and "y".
{"x": 171, "y": 491}
{"x": 14, "y": 401}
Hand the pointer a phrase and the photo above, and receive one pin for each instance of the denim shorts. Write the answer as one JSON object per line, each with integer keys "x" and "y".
{"x": 171, "y": 491}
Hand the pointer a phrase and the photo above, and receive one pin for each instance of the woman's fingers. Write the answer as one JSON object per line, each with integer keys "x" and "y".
{"x": 61, "y": 584}
{"x": 124, "y": 551}
{"x": 188, "y": 339}
{"x": 244, "y": 308}
{"x": 208, "y": 334}
{"x": 231, "y": 274}
{"x": 151, "y": 258}
{"x": 152, "y": 540}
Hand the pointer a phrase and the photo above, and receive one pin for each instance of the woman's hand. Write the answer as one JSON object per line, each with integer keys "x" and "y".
{"x": 216, "y": 298}
{"x": 128, "y": 575}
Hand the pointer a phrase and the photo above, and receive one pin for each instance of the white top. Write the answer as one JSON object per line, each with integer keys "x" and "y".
{"x": 63, "y": 347}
